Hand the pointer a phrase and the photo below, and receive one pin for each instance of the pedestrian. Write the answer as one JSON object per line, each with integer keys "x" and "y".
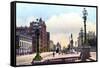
{"x": 53, "y": 54}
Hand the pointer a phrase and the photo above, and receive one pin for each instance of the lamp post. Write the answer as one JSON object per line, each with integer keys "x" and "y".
{"x": 37, "y": 40}
{"x": 85, "y": 18}
{"x": 85, "y": 52}
{"x": 37, "y": 33}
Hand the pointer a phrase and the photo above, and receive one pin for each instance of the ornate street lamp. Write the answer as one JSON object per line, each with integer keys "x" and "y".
{"x": 85, "y": 52}
{"x": 37, "y": 32}
{"x": 85, "y": 18}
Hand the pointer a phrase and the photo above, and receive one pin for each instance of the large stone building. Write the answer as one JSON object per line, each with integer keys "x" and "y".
{"x": 44, "y": 36}
{"x": 23, "y": 44}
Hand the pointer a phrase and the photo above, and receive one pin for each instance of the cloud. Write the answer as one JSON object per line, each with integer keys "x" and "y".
{"x": 62, "y": 25}
{"x": 64, "y": 22}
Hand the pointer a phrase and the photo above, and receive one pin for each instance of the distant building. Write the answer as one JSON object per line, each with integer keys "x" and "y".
{"x": 48, "y": 40}
{"x": 58, "y": 47}
{"x": 51, "y": 46}
{"x": 80, "y": 39}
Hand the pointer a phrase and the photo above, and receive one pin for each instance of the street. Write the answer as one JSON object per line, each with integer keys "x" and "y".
{"x": 27, "y": 59}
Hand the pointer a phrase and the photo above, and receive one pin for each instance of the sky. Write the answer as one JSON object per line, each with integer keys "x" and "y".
{"x": 60, "y": 20}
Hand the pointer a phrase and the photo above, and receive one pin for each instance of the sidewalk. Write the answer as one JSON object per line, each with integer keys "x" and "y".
{"x": 93, "y": 55}
{"x": 60, "y": 56}
{"x": 27, "y": 59}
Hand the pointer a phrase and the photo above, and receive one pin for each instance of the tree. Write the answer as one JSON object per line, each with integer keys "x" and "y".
{"x": 92, "y": 42}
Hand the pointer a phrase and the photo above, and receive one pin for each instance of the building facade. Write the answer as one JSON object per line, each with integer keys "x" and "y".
{"x": 23, "y": 44}
{"x": 51, "y": 46}
{"x": 58, "y": 47}
{"x": 44, "y": 36}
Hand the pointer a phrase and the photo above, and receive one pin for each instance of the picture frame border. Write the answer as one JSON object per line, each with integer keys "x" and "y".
{"x": 13, "y": 30}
